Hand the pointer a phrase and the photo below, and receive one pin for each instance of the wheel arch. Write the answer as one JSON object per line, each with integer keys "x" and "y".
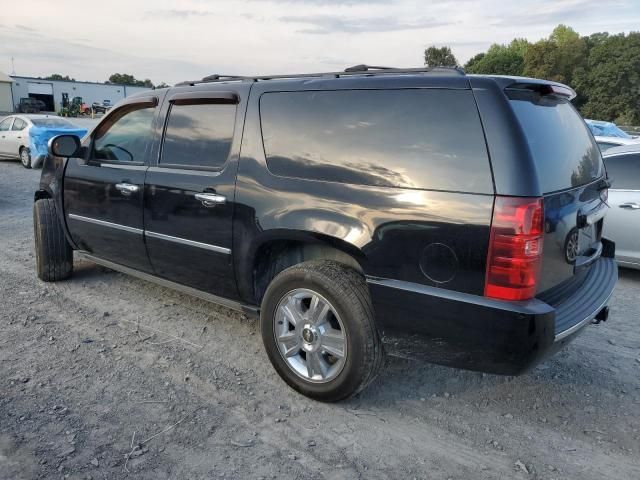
{"x": 281, "y": 249}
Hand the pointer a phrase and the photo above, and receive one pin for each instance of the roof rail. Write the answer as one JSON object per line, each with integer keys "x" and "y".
{"x": 367, "y": 70}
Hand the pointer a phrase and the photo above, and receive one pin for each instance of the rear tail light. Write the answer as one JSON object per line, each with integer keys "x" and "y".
{"x": 515, "y": 248}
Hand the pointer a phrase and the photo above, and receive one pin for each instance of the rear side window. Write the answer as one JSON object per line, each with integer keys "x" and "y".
{"x": 198, "y": 135}
{"x": 419, "y": 138}
{"x": 565, "y": 153}
{"x": 624, "y": 171}
{"x": 18, "y": 124}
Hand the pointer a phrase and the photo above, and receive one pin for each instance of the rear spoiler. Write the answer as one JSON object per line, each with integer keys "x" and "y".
{"x": 544, "y": 88}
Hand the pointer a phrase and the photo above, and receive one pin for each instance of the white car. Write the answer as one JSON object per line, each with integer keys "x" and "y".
{"x": 622, "y": 224}
{"x": 16, "y": 139}
{"x": 605, "y": 143}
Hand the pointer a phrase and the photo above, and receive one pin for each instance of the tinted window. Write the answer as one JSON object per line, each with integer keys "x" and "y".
{"x": 5, "y": 124}
{"x": 624, "y": 171}
{"x": 562, "y": 146}
{"x": 198, "y": 135}
{"x": 52, "y": 122}
{"x": 124, "y": 135}
{"x": 404, "y": 138}
{"x": 18, "y": 124}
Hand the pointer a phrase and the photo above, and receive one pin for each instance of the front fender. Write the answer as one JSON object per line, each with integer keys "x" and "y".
{"x": 51, "y": 186}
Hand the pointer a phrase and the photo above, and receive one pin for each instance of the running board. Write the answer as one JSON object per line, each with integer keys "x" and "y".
{"x": 240, "y": 307}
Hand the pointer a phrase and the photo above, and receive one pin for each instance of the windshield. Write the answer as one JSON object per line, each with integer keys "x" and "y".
{"x": 564, "y": 151}
{"x": 52, "y": 123}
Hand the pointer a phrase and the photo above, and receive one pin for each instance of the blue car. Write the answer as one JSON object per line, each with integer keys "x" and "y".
{"x": 606, "y": 129}
{"x": 26, "y": 136}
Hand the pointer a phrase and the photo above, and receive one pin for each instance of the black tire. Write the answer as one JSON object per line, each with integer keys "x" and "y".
{"x": 348, "y": 294}
{"x": 54, "y": 255}
{"x": 25, "y": 157}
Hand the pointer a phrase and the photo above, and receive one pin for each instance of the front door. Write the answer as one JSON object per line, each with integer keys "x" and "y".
{"x": 5, "y": 136}
{"x": 104, "y": 191}
{"x": 622, "y": 223}
{"x": 190, "y": 192}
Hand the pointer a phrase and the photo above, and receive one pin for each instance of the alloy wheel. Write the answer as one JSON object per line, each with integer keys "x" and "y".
{"x": 310, "y": 335}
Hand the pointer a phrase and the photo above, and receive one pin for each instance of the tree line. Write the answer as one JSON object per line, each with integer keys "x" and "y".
{"x": 602, "y": 68}
{"x": 117, "y": 78}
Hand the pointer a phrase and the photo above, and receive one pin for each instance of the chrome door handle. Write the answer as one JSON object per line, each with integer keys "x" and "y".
{"x": 210, "y": 199}
{"x": 127, "y": 188}
{"x": 630, "y": 206}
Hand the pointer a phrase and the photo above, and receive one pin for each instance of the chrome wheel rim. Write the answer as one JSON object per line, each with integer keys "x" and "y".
{"x": 572, "y": 247}
{"x": 24, "y": 157}
{"x": 310, "y": 335}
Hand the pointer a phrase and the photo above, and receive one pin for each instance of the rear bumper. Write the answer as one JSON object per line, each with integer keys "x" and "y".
{"x": 478, "y": 333}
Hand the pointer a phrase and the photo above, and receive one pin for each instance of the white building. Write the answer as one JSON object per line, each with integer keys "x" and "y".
{"x": 50, "y": 91}
{"x": 6, "y": 101}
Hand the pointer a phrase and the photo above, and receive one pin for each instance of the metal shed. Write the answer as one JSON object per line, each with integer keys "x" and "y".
{"x": 6, "y": 101}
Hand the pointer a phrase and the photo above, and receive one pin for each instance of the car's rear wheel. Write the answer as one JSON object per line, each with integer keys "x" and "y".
{"x": 54, "y": 255}
{"x": 25, "y": 157}
{"x": 319, "y": 331}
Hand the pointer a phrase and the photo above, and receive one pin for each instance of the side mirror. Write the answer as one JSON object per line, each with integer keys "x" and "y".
{"x": 64, "y": 146}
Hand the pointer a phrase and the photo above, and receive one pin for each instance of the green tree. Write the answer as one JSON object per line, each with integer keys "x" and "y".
{"x": 557, "y": 57}
{"x": 439, "y": 57}
{"x": 127, "y": 79}
{"x": 611, "y": 79}
{"x": 57, "y": 76}
{"x": 500, "y": 59}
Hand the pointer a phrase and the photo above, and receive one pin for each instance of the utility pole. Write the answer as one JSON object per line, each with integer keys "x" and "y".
{"x": 13, "y": 66}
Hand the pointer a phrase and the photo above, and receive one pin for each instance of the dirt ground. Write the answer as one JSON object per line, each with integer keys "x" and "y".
{"x": 108, "y": 377}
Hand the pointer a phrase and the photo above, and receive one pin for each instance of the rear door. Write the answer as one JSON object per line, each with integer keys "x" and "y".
{"x": 623, "y": 221}
{"x": 18, "y": 135}
{"x": 571, "y": 175}
{"x": 190, "y": 189}
{"x": 103, "y": 191}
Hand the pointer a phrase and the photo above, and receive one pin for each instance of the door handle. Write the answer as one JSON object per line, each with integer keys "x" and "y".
{"x": 127, "y": 188}
{"x": 630, "y": 206}
{"x": 210, "y": 199}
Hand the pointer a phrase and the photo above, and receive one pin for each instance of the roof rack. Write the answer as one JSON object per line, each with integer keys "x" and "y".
{"x": 367, "y": 70}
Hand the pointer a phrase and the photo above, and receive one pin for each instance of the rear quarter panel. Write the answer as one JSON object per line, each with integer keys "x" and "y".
{"x": 429, "y": 237}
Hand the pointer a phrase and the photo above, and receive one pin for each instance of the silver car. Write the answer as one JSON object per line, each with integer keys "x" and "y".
{"x": 623, "y": 219}
{"x": 605, "y": 143}
{"x": 15, "y": 136}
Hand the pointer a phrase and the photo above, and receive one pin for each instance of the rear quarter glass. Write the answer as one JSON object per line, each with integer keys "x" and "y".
{"x": 409, "y": 138}
{"x": 563, "y": 150}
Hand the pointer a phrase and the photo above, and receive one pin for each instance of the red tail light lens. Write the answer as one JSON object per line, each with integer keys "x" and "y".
{"x": 515, "y": 248}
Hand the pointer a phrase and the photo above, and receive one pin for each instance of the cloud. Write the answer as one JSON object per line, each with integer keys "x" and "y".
{"x": 325, "y": 24}
{"x": 24, "y": 27}
{"x": 553, "y": 13}
{"x": 177, "y": 13}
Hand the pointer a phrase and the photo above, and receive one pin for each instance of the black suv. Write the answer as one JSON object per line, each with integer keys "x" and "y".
{"x": 453, "y": 217}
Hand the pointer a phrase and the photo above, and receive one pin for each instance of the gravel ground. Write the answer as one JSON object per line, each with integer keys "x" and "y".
{"x": 108, "y": 377}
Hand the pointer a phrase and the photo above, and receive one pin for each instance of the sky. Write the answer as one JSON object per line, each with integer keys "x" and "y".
{"x": 170, "y": 41}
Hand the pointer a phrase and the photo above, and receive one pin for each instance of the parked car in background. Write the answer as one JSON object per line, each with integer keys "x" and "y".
{"x": 98, "y": 107}
{"x": 26, "y": 136}
{"x": 344, "y": 210}
{"x": 30, "y": 105}
{"x": 605, "y": 143}
{"x": 623, "y": 220}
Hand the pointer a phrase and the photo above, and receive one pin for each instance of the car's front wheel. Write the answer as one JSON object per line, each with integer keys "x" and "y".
{"x": 54, "y": 255}
{"x": 25, "y": 157}
{"x": 319, "y": 331}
